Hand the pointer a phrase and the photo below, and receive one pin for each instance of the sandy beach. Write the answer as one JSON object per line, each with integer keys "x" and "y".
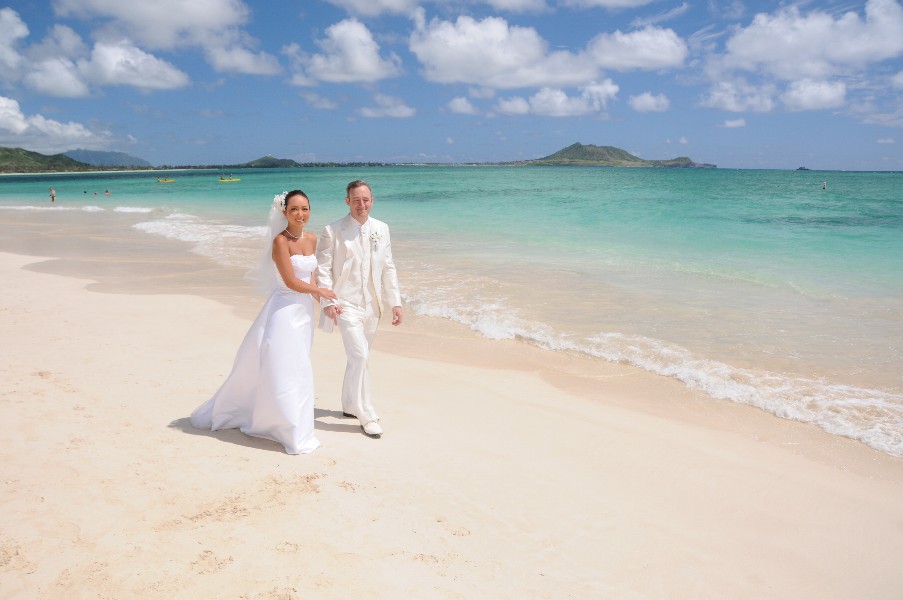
{"x": 498, "y": 477}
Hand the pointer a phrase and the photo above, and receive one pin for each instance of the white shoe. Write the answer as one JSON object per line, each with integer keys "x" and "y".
{"x": 372, "y": 429}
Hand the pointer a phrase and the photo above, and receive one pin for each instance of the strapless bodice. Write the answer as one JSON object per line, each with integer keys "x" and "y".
{"x": 304, "y": 266}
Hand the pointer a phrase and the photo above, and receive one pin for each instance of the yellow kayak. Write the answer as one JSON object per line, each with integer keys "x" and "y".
{"x": 165, "y": 180}
{"x": 230, "y": 180}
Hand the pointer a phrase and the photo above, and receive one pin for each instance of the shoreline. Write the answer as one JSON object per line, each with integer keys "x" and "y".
{"x": 94, "y": 172}
{"x": 154, "y": 265}
{"x": 490, "y": 480}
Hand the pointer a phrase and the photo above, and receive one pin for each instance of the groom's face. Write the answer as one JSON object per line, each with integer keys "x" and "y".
{"x": 360, "y": 200}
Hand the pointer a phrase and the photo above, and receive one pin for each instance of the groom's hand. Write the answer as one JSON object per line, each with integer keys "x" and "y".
{"x": 332, "y": 312}
{"x": 397, "y": 315}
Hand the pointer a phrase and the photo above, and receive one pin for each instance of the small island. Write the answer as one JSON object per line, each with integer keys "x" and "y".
{"x": 588, "y": 155}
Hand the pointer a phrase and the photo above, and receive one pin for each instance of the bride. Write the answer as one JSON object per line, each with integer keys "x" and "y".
{"x": 270, "y": 392}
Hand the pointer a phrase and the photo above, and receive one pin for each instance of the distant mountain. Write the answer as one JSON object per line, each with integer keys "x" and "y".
{"x": 18, "y": 160}
{"x": 106, "y": 159}
{"x": 609, "y": 156}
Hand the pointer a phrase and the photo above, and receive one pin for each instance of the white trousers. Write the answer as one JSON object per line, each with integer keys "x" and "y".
{"x": 358, "y": 326}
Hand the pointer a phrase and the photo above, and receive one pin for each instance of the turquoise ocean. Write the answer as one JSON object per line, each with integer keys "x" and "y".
{"x": 756, "y": 287}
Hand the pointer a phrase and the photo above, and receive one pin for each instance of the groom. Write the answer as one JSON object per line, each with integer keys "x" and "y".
{"x": 355, "y": 261}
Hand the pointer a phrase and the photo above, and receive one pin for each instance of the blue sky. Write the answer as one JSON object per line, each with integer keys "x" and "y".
{"x": 739, "y": 84}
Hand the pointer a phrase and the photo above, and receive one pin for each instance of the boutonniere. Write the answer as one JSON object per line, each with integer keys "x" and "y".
{"x": 375, "y": 237}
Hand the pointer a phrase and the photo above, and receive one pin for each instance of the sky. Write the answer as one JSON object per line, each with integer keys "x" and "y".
{"x": 750, "y": 85}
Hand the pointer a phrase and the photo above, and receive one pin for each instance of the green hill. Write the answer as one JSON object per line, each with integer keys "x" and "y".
{"x": 609, "y": 156}
{"x": 99, "y": 158}
{"x": 17, "y": 160}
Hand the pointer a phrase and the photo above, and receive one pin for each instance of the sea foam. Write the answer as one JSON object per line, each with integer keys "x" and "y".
{"x": 226, "y": 244}
{"x": 874, "y": 417}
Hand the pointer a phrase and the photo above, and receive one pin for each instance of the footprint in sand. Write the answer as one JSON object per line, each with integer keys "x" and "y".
{"x": 288, "y": 547}
{"x": 12, "y": 559}
{"x": 207, "y": 562}
{"x": 277, "y": 593}
{"x": 226, "y": 510}
{"x": 457, "y": 531}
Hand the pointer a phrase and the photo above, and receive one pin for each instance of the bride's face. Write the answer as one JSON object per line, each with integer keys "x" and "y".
{"x": 297, "y": 210}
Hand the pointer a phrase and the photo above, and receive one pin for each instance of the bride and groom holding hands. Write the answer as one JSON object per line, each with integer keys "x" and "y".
{"x": 350, "y": 270}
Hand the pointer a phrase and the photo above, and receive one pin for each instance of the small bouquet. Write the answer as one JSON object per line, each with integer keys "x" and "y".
{"x": 375, "y": 237}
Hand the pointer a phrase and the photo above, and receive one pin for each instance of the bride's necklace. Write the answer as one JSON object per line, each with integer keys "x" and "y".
{"x": 293, "y": 236}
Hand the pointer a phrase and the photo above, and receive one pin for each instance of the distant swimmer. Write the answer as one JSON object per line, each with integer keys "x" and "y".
{"x": 824, "y": 185}
{"x": 52, "y": 195}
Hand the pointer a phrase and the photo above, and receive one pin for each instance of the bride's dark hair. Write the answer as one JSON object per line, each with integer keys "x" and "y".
{"x": 294, "y": 193}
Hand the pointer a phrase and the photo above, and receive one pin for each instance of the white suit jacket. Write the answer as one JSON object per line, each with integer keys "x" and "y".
{"x": 337, "y": 246}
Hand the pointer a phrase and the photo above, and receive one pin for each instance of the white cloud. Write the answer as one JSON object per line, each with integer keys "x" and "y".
{"x": 518, "y": 6}
{"x": 739, "y": 96}
{"x": 814, "y": 95}
{"x": 51, "y": 68}
{"x": 646, "y": 102}
{"x": 61, "y": 65}
{"x": 648, "y": 48}
{"x": 731, "y": 11}
{"x": 388, "y": 106}
{"x": 790, "y": 45}
{"x": 661, "y": 17}
{"x": 11, "y": 117}
{"x": 60, "y": 42}
{"x": 553, "y": 102}
{"x": 12, "y": 29}
{"x": 462, "y": 106}
{"x": 886, "y": 141}
{"x": 318, "y": 101}
{"x": 449, "y": 140}
{"x": 513, "y": 106}
{"x": 162, "y": 24}
{"x": 40, "y": 134}
{"x": 683, "y": 140}
{"x": 212, "y": 25}
{"x": 493, "y": 54}
{"x": 237, "y": 59}
{"x": 606, "y": 3}
{"x": 897, "y": 80}
{"x": 372, "y": 8}
{"x": 734, "y": 123}
{"x": 350, "y": 56}
{"x": 123, "y": 64}
{"x": 57, "y": 77}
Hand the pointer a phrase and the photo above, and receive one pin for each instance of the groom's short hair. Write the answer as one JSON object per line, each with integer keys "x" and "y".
{"x": 356, "y": 184}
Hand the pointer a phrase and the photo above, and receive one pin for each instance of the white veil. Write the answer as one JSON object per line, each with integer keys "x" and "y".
{"x": 263, "y": 275}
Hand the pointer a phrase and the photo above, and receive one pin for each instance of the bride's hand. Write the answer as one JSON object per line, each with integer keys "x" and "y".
{"x": 327, "y": 293}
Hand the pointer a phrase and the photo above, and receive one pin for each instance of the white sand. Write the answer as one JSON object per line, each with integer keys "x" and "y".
{"x": 489, "y": 483}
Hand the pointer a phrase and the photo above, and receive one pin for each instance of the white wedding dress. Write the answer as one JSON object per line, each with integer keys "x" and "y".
{"x": 270, "y": 391}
